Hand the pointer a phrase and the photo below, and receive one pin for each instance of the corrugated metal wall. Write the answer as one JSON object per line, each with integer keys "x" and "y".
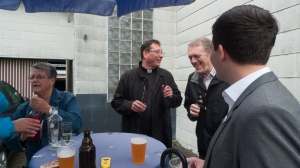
{"x": 15, "y": 72}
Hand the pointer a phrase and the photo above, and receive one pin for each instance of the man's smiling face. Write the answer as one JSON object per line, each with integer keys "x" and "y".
{"x": 200, "y": 59}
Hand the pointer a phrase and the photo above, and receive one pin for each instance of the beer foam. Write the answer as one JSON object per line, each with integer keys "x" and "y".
{"x": 138, "y": 141}
{"x": 65, "y": 153}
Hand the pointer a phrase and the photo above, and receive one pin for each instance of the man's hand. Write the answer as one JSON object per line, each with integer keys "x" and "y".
{"x": 138, "y": 106}
{"x": 24, "y": 136}
{"x": 39, "y": 105}
{"x": 195, "y": 162}
{"x": 167, "y": 91}
{"x": 194, "y": 110}
{"x": 28, "y": 125}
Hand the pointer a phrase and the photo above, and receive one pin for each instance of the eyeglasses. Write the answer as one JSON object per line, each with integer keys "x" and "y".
{"x": 157, "y": 52}
{"x": 38, "y": 77}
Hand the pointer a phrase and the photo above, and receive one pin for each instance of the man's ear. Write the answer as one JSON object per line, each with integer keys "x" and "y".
{"x": 145, "y": 54}
{"x": 52, "y": 81}
{"x": 223, "y": 53}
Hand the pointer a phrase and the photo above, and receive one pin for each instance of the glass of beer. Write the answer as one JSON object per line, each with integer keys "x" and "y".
{"x": 138, "y": 149}
{"x": 66, "y": 154}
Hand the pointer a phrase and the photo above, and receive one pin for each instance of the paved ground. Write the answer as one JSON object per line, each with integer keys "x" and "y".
{"x": 187, "y": 153}
{"x": 17, "y": 160}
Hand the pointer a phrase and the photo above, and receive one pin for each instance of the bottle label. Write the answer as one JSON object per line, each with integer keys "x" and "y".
{"x": 51, "y": 125}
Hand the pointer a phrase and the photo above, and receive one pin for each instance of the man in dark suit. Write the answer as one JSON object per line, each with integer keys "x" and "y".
{"x": 262, "y": 126}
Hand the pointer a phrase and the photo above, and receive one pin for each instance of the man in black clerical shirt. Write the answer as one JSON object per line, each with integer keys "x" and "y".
{"x": 142, "y": 94}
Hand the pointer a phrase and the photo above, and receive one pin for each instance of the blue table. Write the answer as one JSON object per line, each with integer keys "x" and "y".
{"x": 120, "y": 154}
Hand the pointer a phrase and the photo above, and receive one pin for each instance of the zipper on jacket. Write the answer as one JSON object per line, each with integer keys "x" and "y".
{"x": 143, "y": 95}
{"x": 155, "y": 82}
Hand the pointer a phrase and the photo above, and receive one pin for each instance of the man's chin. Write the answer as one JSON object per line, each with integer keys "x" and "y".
{"x": 199, "y": 71}
{"x": 36, "y": 91}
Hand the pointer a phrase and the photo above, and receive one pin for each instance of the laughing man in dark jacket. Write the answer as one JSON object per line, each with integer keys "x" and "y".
{"x": 145, "y": 94}
{"x": 204, "y": 81}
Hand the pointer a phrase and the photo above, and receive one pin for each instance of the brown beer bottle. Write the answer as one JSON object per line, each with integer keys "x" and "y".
{"x": 87, "y": 152}
{"x": 200, "y": 103}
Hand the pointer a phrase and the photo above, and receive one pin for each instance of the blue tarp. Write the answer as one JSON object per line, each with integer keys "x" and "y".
{"x": 10, "y": 4}
{"x": 96, "y": 7}
{"x": 128, "y": 6}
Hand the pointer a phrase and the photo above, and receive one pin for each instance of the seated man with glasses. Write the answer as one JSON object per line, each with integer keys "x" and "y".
{"x": 42, "y": 78}
{"x": 145, "y": 95}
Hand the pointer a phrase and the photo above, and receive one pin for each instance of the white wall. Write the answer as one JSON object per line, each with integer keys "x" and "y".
{"x": 285, "y": 57}
{"x": 90, "y": 64}
{"x": 36, "y": 35}
{"x": 164, "y": 30}
{"x": 196, "y": 20}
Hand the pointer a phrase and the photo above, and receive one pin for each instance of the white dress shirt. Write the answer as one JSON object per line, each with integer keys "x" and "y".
{"x": 232, "y": 93}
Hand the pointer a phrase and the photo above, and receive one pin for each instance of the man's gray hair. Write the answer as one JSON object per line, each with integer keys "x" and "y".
{"x": 48, "y": 68}
{"x": 204, "y": 41}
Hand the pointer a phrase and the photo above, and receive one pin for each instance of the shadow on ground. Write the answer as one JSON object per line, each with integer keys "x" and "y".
{"x": 187, "y": 152}
{"x": 17, "y": 160}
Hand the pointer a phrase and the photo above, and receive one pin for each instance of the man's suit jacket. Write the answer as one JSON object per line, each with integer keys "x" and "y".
{"x": 262, "y": 130}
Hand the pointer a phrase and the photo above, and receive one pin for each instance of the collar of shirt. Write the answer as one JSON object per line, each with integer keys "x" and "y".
{"x": 232, "y": 93}
{"x": 208, "y": 78}
{"x": 212, "y": 73}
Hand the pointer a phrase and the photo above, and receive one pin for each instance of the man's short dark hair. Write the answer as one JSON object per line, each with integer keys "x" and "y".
{"x": 247, "y": 33}
{"x": 146, "y": 46}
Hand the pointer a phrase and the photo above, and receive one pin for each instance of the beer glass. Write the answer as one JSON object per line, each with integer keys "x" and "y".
{"x": 176, "y": 163}
{"x": 66, "y": 154}
{"x": 138, "y": 149}
{"x": 66, "y": 131}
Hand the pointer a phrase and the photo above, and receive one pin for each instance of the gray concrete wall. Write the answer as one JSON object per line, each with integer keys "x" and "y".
{"x": 90, "y": 63}
{"x": 98, "y": 115}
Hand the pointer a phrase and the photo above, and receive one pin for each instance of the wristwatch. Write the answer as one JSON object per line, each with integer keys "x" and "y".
{"x": 50, "y": 111}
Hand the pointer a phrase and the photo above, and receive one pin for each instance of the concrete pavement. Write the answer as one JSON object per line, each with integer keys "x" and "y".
{"x": 17, "y": 160}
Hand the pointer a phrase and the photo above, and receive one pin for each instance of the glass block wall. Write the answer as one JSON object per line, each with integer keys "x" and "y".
{"x": 125, "y": 36}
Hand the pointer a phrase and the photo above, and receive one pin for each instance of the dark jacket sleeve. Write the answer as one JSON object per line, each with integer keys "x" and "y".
{"x": 189, "y": 98}
{"x": 176, "y": 98}
{"x": 120, "y": 102}
{"x": 219, "y": 109}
